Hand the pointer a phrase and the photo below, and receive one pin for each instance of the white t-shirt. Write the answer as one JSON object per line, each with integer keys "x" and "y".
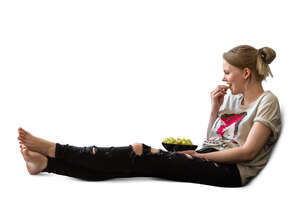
{"x": 233, "y": 125}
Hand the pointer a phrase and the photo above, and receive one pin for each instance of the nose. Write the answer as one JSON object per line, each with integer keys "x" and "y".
{"x": 224, "y": 79}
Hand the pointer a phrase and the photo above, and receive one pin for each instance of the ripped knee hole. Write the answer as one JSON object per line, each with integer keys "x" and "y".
{"x": 138, "y": 149}
{"x": 153, "y": 150}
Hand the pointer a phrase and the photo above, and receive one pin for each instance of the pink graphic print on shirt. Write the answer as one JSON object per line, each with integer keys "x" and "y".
{"x": 229, "y": 120}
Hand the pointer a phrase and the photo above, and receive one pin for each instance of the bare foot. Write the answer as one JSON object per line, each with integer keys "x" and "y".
{"x": 35, "y": 162}
{"x": 36, "y": 144}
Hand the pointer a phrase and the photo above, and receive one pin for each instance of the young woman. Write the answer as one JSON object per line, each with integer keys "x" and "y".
{"x": 243, "y": 127}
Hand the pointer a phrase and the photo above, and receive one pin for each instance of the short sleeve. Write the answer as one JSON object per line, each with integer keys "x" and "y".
{"x": 268, "y": 113}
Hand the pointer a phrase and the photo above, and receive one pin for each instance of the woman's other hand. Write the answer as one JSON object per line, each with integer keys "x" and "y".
{"x": 193, "y": 153}
{"x": 188, "y": 153}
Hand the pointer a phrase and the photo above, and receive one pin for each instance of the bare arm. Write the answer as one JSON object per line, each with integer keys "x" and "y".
{"x": 256, "y": 139}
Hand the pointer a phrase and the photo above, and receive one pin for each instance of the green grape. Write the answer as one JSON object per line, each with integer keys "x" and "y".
{"x": 189, "y": 142}
{"x": 166, "y": 140}
{"x": 173, "y": 141}
{"x": 182, "y": 141}
{"x": 171, "y": 138}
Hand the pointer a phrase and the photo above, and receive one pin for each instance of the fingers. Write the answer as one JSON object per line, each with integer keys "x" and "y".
{"x": 217, "y": 98}
{"x": 189, "y": 156}
{"x": 218, "y": 94}
{"x": 186, "y": 151}
{"x": 220, "y": 88}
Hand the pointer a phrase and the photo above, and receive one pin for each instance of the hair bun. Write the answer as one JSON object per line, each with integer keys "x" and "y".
{"x": 267, "y": 54}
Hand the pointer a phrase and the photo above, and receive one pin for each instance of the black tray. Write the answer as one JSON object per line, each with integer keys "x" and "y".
{"x": 178, "y": 147}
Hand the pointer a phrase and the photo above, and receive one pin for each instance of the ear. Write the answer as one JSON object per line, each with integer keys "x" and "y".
{"x": 247, "y": 73}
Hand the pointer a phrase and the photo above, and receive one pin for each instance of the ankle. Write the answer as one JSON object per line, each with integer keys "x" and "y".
{"x": 45, "y": 164}
{"x": 51, "y": 150}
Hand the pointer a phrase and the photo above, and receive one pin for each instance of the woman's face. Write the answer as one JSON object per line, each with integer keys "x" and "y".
{"x": 234, "y": 77}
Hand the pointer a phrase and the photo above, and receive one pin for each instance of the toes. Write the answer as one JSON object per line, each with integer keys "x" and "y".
{"x": 22, "y": 131}
{"x": 22, "y": 135}
{"x": 21, "y": 143}
{"x": 25, "y": 132}
{"x": 25, "y": 153}
{"x": 21, "y": 138}
{"x": 22, "y": 146}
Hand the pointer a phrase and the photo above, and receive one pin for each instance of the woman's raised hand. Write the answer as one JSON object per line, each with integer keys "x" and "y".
{"x": 217, "y": 97}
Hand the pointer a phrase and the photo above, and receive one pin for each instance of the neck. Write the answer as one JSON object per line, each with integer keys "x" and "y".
{"x": 252, "y": 92}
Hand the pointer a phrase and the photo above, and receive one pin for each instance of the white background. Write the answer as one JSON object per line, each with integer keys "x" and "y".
{"x": 111, "y": 73}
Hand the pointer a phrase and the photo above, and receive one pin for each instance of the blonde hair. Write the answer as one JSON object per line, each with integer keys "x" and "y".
{"x": 257, "y": 60}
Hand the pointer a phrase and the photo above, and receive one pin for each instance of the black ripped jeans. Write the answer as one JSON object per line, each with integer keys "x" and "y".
{"x": 101, "y": 163}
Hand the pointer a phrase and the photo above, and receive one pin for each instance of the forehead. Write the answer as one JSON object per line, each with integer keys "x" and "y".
{"x": 226, "y": 65}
